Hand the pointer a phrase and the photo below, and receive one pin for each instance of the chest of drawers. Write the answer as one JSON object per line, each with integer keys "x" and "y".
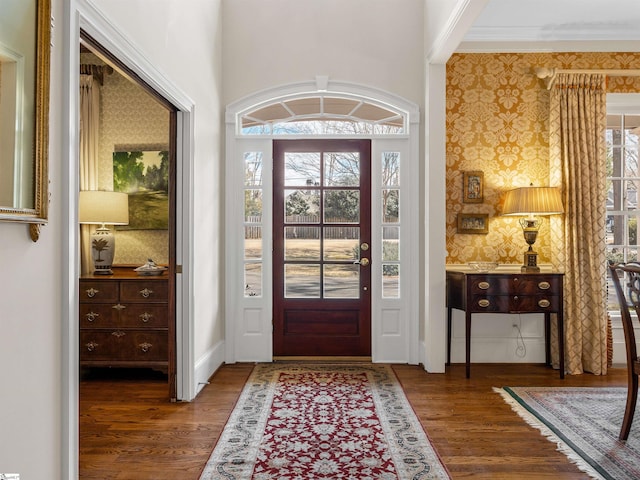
{"x": 506, "y": 293}
{"x": 124, "y": 321}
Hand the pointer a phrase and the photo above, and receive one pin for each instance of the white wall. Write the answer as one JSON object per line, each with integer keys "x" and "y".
{"x": 31, "y": 323}
{"x": 369, "y": 42}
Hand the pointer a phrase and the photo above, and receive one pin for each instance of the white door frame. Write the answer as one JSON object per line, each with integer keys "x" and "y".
{"x": 82, "y": 15}
{"x": 248, "y": 321}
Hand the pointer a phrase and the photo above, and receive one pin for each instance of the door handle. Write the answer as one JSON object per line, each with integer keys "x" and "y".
{"x": 364, "y": 262}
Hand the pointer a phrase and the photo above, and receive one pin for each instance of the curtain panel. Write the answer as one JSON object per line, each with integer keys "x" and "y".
{"x": 577, "y": 148}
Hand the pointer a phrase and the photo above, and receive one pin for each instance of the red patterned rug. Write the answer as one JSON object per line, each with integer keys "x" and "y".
{"x": 326, "y": 421}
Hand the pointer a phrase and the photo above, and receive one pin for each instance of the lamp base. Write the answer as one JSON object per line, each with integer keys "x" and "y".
{"x": 530, "y": 262}
{"x": 103, "y": 246}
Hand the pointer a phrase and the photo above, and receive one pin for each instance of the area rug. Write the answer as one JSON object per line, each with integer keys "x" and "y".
{"x": 585, "y": 423}
{"x": 323, "y": 421}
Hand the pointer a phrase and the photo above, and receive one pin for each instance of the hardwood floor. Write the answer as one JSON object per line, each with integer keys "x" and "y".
{"x": 129, "y": 430}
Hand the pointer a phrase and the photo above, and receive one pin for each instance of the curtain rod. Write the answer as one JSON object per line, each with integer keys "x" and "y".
{"x": 549, "y": 74}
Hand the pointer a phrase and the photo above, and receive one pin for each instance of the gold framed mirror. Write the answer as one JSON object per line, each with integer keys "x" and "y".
{"x": 25, "y": 49}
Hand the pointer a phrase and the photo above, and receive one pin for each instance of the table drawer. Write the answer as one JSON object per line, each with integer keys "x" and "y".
{"x": 123, "y": 345}
{"x": 489, "y": 303}
{"x": 535, "y": 303}
{"x": 536, "y": 284}
{"x": 98, "y": 292}
{"x": 144, "y": 291}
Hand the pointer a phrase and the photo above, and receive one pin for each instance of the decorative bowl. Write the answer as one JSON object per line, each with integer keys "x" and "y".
{"x": 483, "y": 267}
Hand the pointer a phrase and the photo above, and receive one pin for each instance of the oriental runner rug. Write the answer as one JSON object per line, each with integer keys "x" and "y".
{"x": 584, "y": 422}
{"x": 323, "y": 421}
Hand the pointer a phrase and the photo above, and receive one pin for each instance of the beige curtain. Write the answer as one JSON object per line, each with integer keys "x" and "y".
{"x": 577, "y": 147}
{"x": 89, "y": 130}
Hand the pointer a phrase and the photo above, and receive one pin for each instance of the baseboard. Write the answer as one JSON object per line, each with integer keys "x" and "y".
{"x": 207, "y": 365}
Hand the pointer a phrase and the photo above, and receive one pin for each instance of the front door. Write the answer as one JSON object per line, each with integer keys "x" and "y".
{"x": 321, "y": 254}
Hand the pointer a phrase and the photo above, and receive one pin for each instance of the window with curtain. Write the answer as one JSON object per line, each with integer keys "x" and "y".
{"x": 623, "y": 187}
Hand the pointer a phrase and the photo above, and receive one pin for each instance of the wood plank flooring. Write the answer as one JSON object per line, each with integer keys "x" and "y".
{"x": 130, "y": 431}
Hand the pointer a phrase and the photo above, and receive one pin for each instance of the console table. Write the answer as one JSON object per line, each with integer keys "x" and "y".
{"x": 506, "y": 293}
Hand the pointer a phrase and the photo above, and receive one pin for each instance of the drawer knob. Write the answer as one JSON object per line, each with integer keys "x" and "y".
{"x": 91, "y": 292}
{"x": 544, "y": 303}
{"x": 544, "y": 285}
{"x": 91, "y": 346}
{"x": 145, "y": 347}
{"x": 92, "y": 316}
{"x": 483, "y": 285}
{"x": 483, "y": 302}
{"x": 146, "y": 293}
{"x": 118, "y": 333}
{"x": 146, "y": 316}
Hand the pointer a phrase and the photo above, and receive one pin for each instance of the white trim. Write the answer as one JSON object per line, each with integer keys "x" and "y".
{"x": 83, "y": 15}
{"x": 207, "y": 364}
{"x": 248, "y": 320}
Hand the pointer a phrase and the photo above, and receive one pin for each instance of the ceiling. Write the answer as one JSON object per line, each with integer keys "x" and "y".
{"x": 557, "y": 20}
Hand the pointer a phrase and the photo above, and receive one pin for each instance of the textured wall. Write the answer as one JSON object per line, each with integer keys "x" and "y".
{"x": 497, "y": 111}
{"x": 130, "y": 116}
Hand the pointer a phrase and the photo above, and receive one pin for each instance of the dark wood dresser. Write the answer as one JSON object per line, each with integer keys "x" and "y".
{"x": 124, "y": 320}
{"x": 506, "y": 293}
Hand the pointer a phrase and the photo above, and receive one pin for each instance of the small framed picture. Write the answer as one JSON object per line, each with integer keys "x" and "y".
{"x": 473, "y": 223}
{"x": 472, "y": 187}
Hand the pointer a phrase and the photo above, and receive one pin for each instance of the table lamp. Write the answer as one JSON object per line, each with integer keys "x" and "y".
{"x": 103, "y": 208}
{"x": 530, "y": 201}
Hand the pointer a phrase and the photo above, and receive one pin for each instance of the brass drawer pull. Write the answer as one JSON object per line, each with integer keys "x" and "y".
{"x": 544, "y": 285}
{"x": 119, "y": 306}
{"x": 91, "y": 292}
{"x": 145, "y": 347}
{"x": 91, "y": 316}
{"x": 483, "y": 285}
{"x": 91, "y": 346}
{"x": 484, "y": 302}
{"x": 146, "y": 293}
{"x": 118, "y": 333}
{"x": 146, "y": 316}
{"x": 544, "y": 303}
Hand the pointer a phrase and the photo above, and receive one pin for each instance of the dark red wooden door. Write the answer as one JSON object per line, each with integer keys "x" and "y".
{"x": 321, "y": 239}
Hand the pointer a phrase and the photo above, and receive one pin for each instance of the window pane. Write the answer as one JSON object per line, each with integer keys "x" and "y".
{"x": 253, "y": 279}
{"x": 341, "y": 281}
{"x": 390, "y": 280}
{"x": 614, "y": 195}
{"x": 253, "y": 206}
{"x": 302, "y": 206}
{"x": 631, "y": 195}
{"x": 391, "y": 169}
{"x": 302, "y": 243}
{"x": 342, "y": 243}
{"x": 342, "y": 169}
{"x": 301, "y": 168}
{"x": 253, "y": 169}
{"x": 301, "y": 281}
{"x": 390, "y": 244}
{"x": 631, "y": 163}
{"x": 390, "y": 206}
{"x": 252, "y": 243}
{"x": 341, "y": 206}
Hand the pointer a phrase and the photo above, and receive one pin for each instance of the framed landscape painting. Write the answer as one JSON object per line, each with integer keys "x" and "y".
{"x": 144, "y": 175}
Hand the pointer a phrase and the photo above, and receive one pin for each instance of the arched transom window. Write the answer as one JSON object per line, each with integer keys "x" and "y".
{"x": 319, "y": 114}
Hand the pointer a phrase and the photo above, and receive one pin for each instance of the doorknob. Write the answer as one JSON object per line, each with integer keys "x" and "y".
{"x": 364, "y": 247}
{"x": 364, "y": 262}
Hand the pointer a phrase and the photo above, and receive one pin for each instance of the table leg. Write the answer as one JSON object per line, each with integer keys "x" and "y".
{"x": 547, "y": 339}
{"x": 467, "y": 340}
{"x": 449, "y": 336}
{"x": 561, "y": 341}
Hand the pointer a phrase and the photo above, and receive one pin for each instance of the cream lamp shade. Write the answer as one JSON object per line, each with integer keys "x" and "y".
{"x": 527, "y": 202}
{"x": 103, "y": 208}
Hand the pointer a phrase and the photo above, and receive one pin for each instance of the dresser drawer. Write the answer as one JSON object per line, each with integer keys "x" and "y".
{"x": 144, "y": 291}
{"x": 98, "y": 292}
{"x": 123, "y": 345}
{"x": 489, "y": 284}
{"x": 489, "y": 303}
{"x": 144, "y": 316}
{"x": 535, "y": 303}
{"x": 98, "y": 315}
{"x": 536, "y": 284}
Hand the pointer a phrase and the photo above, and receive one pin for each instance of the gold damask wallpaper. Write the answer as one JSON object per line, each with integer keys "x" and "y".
{"x": 497, "y": 123}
